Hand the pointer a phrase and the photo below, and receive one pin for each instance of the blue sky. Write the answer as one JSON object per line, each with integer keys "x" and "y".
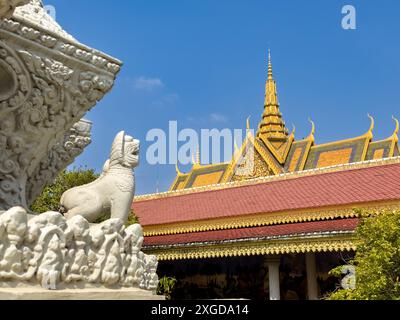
{"x": 203, "y": 63}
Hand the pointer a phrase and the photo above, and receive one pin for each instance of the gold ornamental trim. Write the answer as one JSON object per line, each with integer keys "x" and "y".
{"x": 336, "y": 243}
{"x": 267, "y": 219}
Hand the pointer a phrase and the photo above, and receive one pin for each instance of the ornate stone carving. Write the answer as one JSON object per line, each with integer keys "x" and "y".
{"x": 7, "y": 7}
{"x": 44, "y": 92}
{"x": 48, "y": 81}
{"x": 59, "y": 157}
{"x": 55, "y": 253}
{"x": 112, "y": 193}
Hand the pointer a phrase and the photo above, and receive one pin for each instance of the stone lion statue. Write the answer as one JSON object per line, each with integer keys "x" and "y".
{"x": 111, "y": 195}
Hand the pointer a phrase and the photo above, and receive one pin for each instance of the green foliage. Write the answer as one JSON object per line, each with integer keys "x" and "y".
{"x": 49, "y": 200}
{"x": 132, "y": 219}
{"x": 377, "y": 260}
{"x": 166, "y": 286}
{"x": 337, "y": 272}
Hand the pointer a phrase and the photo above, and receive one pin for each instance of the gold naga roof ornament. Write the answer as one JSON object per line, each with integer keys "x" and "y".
{"x": 312, "y": 133}
{"x": 372, "y": 126}
{"x": 396, "y": 130}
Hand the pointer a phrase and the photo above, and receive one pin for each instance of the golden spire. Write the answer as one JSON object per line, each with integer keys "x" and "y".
{"x": 272, "y": 127}
{"x": 198, "y": 161}
{"x": 270, "y": 75}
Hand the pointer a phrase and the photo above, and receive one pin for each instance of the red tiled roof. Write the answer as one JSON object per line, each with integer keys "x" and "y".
{"x": 256, "y": 232}
{"x": 378, "y": 183}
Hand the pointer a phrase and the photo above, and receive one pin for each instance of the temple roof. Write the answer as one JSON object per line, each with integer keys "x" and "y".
{"x": 309, "y": 211}
{"x": 295, "y": 196}
{"x": 318, "y": 190}
{"x": 276, "y": 151}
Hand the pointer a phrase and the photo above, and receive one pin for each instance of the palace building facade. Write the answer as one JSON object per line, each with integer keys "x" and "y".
{"x": 272, "y": 222}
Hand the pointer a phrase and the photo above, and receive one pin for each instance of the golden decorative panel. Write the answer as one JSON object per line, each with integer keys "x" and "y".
{"x": 295, "y": 159}
{"x": 180, "y": 185}
{"x": 334, "y": 157}
{"x": 207, "y": 178}
{"x": 378, "y": 154}
{"x": 260, "y": 168}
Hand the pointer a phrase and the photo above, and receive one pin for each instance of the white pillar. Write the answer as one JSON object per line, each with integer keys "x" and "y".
{"x": 312, "y": 284}
{"x": 273, "y": 277}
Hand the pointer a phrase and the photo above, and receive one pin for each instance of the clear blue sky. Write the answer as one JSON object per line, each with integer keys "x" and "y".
{"x": 203, "y": 63}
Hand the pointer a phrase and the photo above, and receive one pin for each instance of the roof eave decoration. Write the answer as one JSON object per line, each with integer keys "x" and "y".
{"x": 269, "y": 219}
{"x": 334, "y": 242}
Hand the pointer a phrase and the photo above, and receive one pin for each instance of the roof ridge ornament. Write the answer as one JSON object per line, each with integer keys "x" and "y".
{"x": 311, "y": 135}
{"x": 372, "y": 126}
{"x": 272, "y": 127}
{"x": 270, "y": 73}
{"x": 396, "y": 131}
{"x": 178, "y": 172}
{"x": 248, "y": 125}
{"x": 196, "y": 158}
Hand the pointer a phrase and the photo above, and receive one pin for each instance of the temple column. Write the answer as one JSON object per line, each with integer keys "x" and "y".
{"x": 312, "y": 285}
{"x": 273, "y": 277}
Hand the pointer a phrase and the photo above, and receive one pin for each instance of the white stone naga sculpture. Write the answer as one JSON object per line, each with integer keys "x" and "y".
{"x": 111, "y": 195}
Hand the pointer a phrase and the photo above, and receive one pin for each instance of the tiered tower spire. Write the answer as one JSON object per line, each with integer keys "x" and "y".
{"x": 272, "y": 126}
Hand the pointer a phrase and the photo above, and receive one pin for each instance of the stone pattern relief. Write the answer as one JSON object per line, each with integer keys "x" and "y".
{"x": 35, "y": 13}
{"x": 58, "y": 158}
{"x": 44, "y": 101}
{"x": 7, "y": 7}
{"x": 55, "y": 253}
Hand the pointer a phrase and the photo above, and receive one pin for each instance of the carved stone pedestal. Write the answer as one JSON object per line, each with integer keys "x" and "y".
{"x": 38, "y": 293}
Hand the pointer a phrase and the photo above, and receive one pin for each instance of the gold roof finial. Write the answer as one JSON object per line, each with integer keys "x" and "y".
{"x": 293, "y": 129}
{"x": 270, "y": 75}
{"x": 178, "y": 172}
{"x": 396, "y": 131}
{"x": 311, "y": 135}
{"x": 198, "y": 156}
{"x": 312, "y": 126}
{"x": 372, "y": 126}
